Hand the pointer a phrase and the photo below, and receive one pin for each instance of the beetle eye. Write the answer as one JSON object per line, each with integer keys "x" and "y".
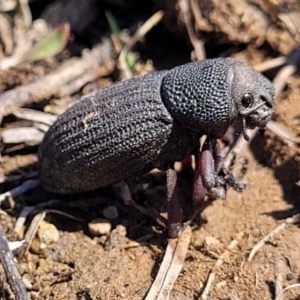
{"x": 247, "y": 100}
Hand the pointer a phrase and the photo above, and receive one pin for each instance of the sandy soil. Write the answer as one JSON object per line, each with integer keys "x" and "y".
{"x": 123, "y": 263}
{"x": 81, "y": 266}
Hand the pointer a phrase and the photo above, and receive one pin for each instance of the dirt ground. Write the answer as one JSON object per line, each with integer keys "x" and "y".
{"x": 123, "y": 263}
{"x": 81, "y": 266}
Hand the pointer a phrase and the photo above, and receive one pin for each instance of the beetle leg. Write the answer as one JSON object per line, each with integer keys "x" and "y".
{"x": 206, "y": 184}
{"x": 199, "y": 196}
{"x": 232, "y": 180}
{"x": 207, "y": 164}
{"x": 125, "y": 194}
{"x": 174, "y": 205}
{"x": 199, "y": 191}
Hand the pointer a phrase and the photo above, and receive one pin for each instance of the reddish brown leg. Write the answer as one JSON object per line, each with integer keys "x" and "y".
{"x": 218, "y": 156}
{"x": 198, "y": 193}
{"x": 207, "y": 165}
{"x": 205, "y": 186}
{"x": 187, "y": 164}
{"x": 174, "y": 205}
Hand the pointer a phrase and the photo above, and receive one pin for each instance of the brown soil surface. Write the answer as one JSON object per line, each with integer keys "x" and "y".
{"x": 82, "y": 266}
{"x": 105, "y": 268}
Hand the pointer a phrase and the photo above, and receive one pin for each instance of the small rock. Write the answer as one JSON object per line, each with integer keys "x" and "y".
{"x": 290, "y": 276}
{"x": 116, "y": 238}
{"x": 26, "y": 282}
{"x": 34, "y": 295}
{"x": 255, "y": 231}
{"x": 211, "y": 241}
{"x": 110, "y": 212}
{"x": 25, "y": 267}
{"x": 47, "y": 237}
{"x": 45, "y": 265}
{"x": 99, "y": 227}
{"x": 48, "y": 233}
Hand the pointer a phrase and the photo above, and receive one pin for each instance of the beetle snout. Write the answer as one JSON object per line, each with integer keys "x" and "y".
{"x": 260, "y": 117}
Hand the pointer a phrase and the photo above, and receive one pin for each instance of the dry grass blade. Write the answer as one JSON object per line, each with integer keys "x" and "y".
{"x": 24, "y": 187}
{"x": 270, "y": 64}
{"x": 35, "y": 116}
{"x": 30, "y": 234}
{"x": 94, "y": 64}
{"x": 278, "y": 287}
{"x": 22, "y": 218}
{"x": 170, "y": 267}
{"x": 219, "y": 262}
{"x": 262, "y": 242}
{"x": 278, "y": 130}
{"x": 140, "y": 33}
{"x": 197, "y": 44}
{"x": 22, "y": 135}
{"x": 292, "y": 286}
{"x": 58, "y": 212}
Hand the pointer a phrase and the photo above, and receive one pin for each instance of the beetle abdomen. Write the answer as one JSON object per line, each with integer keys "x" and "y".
{"x": 106, "y": 137}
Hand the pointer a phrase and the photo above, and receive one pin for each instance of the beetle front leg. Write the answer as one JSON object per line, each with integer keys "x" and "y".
{"x": 174, "y": 205}
{"x": 199, "y": 191}
{"x": 206, "y": 184}
{"x": 209, "y": 162}
{"x": 199, "y": 196}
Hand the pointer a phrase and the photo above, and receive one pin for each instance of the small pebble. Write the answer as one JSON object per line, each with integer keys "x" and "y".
{"x": 99, "y": 227}
{"x": 290, "y": 276}
{"x": 47, "y": 237}
{"x": 25, "y": 267}
{"x": 48, "y": 233}
{"x": 34, "y": 295}
{"x": 116, "y": 238}
{"x": 110, "y": 212}
{"x": 211, "y": 241}
{"x": 26, "y": 282}
{"x": 255, "y": 231}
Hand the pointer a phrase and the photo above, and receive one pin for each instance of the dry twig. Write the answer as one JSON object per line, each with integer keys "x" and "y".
{"x": 12, "y": 273}
{"x": 30, "y": 234}
{"x": 278, "y": 287}
{"x": 219, "y": 262}
{"x": 292, "y": 286}
{"x": 35, "y": 116}
{"x": 270, "y": 64}
{"x": 262, "y": 242}
{"x": 24, "y": 187}
{"x": 67, "y": 78}
{"x": 139, "y": 34}
{"x": 197, "y": 44}
{"x": 170, "y": 267}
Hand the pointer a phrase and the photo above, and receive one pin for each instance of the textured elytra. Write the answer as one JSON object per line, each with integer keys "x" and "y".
{"x": 150, "y": 121}
{"x": 118, "y": 132}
